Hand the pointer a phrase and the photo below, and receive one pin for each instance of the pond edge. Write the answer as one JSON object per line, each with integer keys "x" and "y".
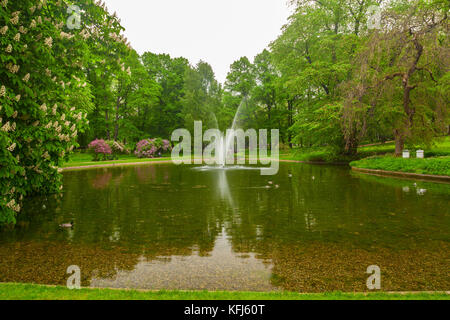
{"x": 403, "y": 174}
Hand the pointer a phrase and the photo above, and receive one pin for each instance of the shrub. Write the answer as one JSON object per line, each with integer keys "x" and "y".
{"x": 151, "y": 148}
{"x": 42, "y": 107}
{"x": 117, "y": 149}
{"x": 436, "y": 166}
{"x": 100, "y": 148}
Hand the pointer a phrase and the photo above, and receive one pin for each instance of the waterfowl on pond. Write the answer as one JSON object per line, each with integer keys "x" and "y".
{"x": 67, "y": 225}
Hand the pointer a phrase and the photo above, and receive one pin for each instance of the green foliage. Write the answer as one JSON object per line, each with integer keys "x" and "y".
{"x": 51, "y": 78}
{"x": 390, "y": 82}
{"x": 44, "y": 97}
{"x": 202, "y": 98}
{"x": 328, "y": 83}
{"x": 435, "y": 166}
{"x": 33, "y": 291}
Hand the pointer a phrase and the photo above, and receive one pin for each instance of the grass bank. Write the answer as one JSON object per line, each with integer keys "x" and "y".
{"x": 12, "y": 291}
{"x": 441, "y": 148}
{"x": 80, "y": 159}
{"x": 433, "y": 166}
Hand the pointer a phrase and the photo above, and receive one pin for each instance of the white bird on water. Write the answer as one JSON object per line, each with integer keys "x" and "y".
{"x": 67, "y": 225}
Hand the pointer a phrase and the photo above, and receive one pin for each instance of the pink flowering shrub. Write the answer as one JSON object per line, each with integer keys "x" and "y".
{"x": 100, "y": 147}
{"x": 151, "y": 148}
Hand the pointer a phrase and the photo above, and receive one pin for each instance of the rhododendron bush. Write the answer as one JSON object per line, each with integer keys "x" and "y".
{"x": 100, "y": 148}
{"x": 151, "y": 148}
{"x": 107, "y": 150}
{"x": 44, "y": 95}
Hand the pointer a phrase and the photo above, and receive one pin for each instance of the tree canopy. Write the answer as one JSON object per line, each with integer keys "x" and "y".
{"x": 342, "y": 72}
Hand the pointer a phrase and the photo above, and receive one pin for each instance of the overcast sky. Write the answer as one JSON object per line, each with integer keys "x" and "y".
{"x": 216, "y": 31}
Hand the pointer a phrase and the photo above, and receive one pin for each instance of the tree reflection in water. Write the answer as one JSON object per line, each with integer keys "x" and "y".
{"x": 163, "y": 226}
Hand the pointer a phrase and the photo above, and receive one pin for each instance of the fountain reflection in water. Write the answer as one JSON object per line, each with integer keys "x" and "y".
{"x": 225, "y": 151}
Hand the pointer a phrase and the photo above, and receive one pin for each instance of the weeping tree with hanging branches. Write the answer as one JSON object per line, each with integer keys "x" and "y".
{"x": 402, "y": 78}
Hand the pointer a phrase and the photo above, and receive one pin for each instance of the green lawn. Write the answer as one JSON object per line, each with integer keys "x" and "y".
{"x": 80, "y": 159}
{"x": 433, "y": 166}
{"x": 441, "y": 148}
{"x": 10, "y": 291}
{"x": 436, "y": 162}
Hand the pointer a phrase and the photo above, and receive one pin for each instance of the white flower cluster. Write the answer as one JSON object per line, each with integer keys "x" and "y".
{"x": 100, "y": 3}
{"x": 2, "y": 91}
{"x": 119, "y": 38}
{"x": 26, "y": 78}
{"x": 13, "y": 206}
{"x": 49, "y": 42}
{"x": 6, "y": 127}
{"x": 66, "y": 35}
{"x": 15, "y": 18}
{"x": 9, "y": 48}
{"x": 4, "y": 30}
{"x": 85, "y": 34}
{"x": 12, "y": 147}
{"x": 64, "y": 137}
{"x": 13, "y": 68}
{"x": 17, "y": 37}
{"x": 4, "y": 3}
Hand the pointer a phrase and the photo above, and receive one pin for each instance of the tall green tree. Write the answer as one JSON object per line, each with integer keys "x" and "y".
{"x": 403, "y": 75}
{"x": 170, "y": 74}
{"x": 202, "y": 99}
{"x": 44, "y": 93}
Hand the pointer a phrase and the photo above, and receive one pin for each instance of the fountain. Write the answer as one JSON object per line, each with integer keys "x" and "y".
{"x": 220, "y": 154}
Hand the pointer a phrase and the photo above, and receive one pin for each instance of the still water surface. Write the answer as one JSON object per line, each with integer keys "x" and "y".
{"x": 161, "y": 226}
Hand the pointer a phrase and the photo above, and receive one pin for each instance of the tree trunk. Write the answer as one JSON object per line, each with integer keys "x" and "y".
{"x": 290, "y": 122}
{"x": 399, "y": 143}
{"x": 351, "y": 147}
{"x": 116, "y": 124}
{"x": 108, "y": 135}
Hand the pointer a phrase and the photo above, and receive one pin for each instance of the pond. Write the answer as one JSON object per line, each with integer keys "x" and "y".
{"x": 310, "y": 228}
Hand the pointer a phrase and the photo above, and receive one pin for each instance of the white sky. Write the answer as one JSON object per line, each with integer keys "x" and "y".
{"x": 216, "y": 31}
